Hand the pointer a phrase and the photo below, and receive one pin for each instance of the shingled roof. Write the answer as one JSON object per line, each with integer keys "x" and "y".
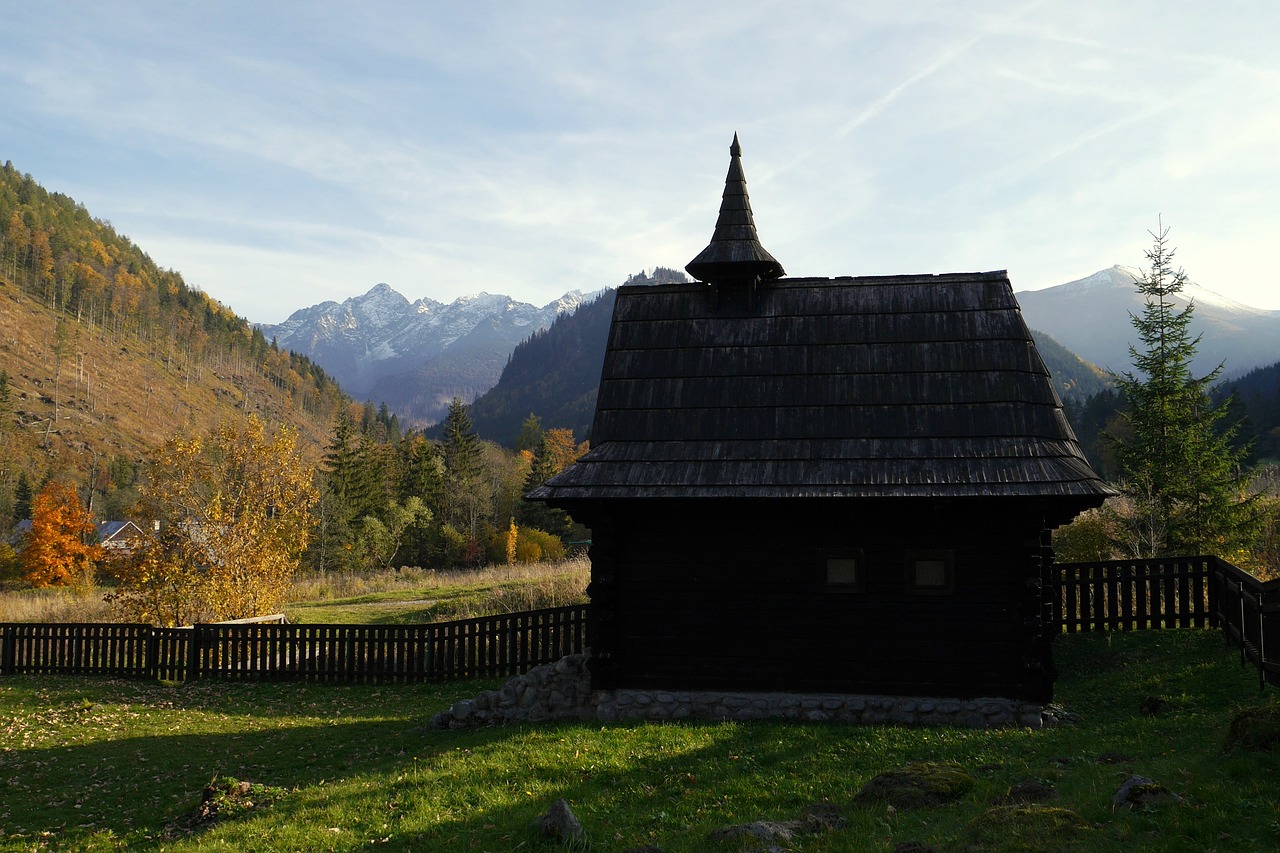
{"x": 909, "y": 386}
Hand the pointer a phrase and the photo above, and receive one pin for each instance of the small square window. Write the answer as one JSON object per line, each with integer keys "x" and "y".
{"x": 930, "y": 572}
{"x": 843, "y": 572}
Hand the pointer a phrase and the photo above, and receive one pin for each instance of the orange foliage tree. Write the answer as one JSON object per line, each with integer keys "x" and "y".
{"x": 60, "y": 549}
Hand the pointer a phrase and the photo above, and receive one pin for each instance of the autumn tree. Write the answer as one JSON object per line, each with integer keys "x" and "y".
{"x": 157, "y": 584}
{"x": 556, "y": 451}
{"x": 61, "y": 548}
{"x": 1183, "y": 484}
{"x": 235, "y": 513}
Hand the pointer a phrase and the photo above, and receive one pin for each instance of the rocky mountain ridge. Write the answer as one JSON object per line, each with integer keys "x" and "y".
{"x": 415, "y": 356}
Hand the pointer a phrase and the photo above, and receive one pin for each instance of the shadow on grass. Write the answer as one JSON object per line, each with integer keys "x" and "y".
{"x": 135, "y": 786}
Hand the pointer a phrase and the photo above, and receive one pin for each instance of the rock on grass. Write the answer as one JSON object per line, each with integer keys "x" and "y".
{"x": 1256, "y": 729}
{"x": 918, "y": 785}
{"x": 1025, "y": 828}
{"x": 561, "y": 825}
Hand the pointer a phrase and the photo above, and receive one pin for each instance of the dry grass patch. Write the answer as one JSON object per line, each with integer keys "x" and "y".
{"x": 415, "y": 595}
{"x": 408, "y": 595}
{"x": 54, "y": 605}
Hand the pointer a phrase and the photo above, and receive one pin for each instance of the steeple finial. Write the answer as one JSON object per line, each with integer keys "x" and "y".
{"x": 734, "y": 253}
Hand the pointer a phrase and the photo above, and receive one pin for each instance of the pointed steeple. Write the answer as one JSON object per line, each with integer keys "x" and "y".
{"x": 735, "y": 253}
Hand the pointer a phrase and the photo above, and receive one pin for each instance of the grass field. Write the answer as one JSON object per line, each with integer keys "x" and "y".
{"x": 105, "y": 764}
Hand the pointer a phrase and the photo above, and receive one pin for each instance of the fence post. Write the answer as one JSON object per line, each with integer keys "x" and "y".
{"x": 1262, "y": 640}
{"x": 193, "y": 654}
{"x": 7, "y": 641}
{"x": 151, "y": 666}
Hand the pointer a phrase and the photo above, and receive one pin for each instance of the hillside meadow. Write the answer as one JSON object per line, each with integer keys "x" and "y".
{"x": 89, "y": 764}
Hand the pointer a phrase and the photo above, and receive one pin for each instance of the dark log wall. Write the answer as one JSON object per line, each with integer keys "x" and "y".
{"x": 722, "y": 597}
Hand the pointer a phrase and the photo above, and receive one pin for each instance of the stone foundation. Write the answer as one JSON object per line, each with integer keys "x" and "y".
{"x": 562, "y": 691}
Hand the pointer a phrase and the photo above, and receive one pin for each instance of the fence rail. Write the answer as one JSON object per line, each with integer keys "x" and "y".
{"x": 501, "y": 645}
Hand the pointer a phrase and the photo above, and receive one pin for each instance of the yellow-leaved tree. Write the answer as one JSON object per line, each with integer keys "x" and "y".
{"x": 235, "y": 516}
{"x": 61, "y": 547}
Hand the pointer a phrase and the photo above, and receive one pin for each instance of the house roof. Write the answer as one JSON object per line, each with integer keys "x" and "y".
{"x": 108, "y": 530}
{"x": 904, "y": 386}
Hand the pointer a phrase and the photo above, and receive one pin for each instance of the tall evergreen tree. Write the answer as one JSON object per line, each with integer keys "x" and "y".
{"x": 1184, "y": 480}
{"x": 467, "y": 492}
{"x": 22, "y": 494}
{"x": 347, "y": 491}
{"x": 530, "y": 433}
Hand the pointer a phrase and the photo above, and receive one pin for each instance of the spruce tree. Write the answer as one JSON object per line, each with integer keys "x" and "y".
{"x": 1183, "y": 479}
{"x": 467, "y": 494}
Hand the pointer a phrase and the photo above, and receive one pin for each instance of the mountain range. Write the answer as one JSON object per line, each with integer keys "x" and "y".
{"x": 415, "y": 356}
{"x": 1090, "y": 317}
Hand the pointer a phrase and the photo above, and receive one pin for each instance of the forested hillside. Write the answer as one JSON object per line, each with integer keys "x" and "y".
{"x": 1257, "y": 410}
{"x": 104, "y": 354}
{"x": 1073, "y": 377}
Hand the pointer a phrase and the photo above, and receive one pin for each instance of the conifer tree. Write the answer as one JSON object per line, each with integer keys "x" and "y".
{"x": 467, "y": 493}
{"x": 555, "y": 452}
{"x": 6, "y": 404}
{"x": 1184, "y": 482}
{"x": 22, "y": 494}
{"x": 530, "y": 433}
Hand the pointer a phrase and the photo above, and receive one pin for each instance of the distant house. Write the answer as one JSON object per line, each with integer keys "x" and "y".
{"x": 118, "y": 538}
{"x": 822, "y": 484}
{"x": 20, "y": 531}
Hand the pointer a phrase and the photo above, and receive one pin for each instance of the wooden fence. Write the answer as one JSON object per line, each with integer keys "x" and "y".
{"x": 1174, "y": 592}
{"x": 502, "y": 645}
{"x": 1135, "y": 594}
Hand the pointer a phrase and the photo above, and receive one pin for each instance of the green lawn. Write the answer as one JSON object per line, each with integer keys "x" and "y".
{"x": 93, "y": 764}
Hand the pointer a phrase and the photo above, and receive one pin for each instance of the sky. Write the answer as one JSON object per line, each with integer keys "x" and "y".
{"x": 280, "y": 154}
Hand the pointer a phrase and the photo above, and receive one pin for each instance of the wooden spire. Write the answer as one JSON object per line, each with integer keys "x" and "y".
{"x": 735, "y": 253}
